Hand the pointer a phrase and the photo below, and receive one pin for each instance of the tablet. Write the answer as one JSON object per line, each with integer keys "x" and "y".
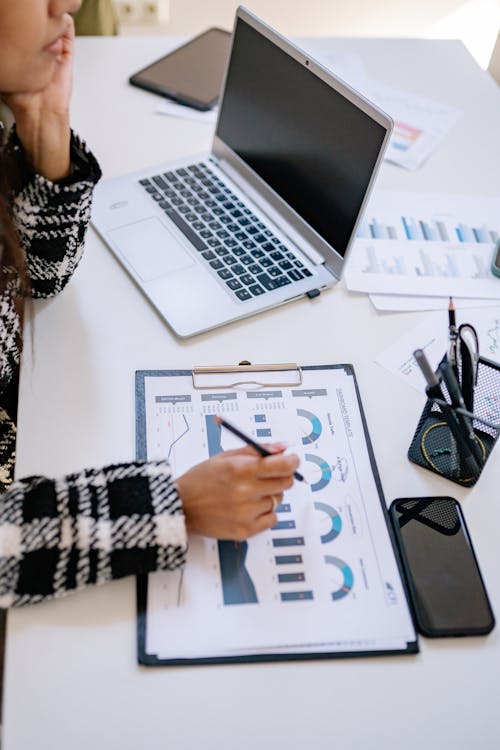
{"x": 193, "y": 73}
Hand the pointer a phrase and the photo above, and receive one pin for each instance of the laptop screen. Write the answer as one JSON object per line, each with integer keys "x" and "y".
{"x": 309, "y": 143}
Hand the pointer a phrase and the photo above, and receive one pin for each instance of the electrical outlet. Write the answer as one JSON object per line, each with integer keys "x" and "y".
{"x": 155, "y": 11}
{"x": 128, "y": 11}
{"x": 142, "y": 11}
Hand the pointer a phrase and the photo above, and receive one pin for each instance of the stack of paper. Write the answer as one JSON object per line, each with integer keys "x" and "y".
{"x": 415, "y": 250}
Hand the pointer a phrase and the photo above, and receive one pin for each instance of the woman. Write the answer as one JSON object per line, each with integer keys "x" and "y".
{"x": 60, "y": 535}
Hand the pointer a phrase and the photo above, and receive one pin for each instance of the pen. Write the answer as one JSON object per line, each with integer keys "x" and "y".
{"x": 248, "y": 440}
{"x": 434, "y": 391}
{"x": 452, "y": 333}
{"x": 470, "y": 450}
{"x": 433, "y": 387}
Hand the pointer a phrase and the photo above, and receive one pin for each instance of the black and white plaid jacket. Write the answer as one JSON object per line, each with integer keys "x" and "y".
{"x": 64, "y": 534}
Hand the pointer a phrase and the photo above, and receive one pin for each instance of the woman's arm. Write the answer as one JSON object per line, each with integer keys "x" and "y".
{"x": 51, "y": 218}
{"x": 129, "y": 519}
{"x": 52, "y": 175}
{"x": 58, "y": 536}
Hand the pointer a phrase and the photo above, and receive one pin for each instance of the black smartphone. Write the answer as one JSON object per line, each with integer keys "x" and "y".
{"x": 193, "y": 73}
{"x": 446, "y": 588}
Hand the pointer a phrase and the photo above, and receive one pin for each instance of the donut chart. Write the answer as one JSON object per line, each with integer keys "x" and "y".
{"x": 315, "y": 429}
{"x": 335, "y": 519}
{"x": 325, "y": 469}
{"x": 346, "y": 575}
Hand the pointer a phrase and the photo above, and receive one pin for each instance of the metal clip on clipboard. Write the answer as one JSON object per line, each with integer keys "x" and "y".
{"x": 215, "y": 377}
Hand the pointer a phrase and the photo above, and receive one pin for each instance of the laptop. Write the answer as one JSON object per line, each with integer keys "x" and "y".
{"x": 267, "y": 216}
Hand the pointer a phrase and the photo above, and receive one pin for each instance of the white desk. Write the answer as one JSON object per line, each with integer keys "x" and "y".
{"x": 71, "y": 675}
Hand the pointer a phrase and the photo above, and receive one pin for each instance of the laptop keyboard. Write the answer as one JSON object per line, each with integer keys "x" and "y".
{"x": 229, "y": 237}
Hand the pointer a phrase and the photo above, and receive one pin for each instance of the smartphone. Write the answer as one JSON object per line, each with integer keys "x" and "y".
{"x": 446, "y": 588}
{"x": 192, "y": 74}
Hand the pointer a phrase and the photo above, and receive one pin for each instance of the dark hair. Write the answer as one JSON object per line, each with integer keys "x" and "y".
{"x": 12, "y": 256}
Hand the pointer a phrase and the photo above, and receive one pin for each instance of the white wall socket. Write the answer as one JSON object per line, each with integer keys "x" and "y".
{"x": 143, "y": 11}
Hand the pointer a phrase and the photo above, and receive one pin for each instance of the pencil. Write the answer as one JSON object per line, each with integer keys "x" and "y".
{"x": 248, "y": 440}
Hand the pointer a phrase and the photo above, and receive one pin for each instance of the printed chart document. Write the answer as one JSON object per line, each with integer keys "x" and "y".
{"x": 426, "y": 245}
{"x": 324, "y": 580}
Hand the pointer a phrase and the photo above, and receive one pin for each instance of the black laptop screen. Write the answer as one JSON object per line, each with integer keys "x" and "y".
{"x": 310, "y": 144}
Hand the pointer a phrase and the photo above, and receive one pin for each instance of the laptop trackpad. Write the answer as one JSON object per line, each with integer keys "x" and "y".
{"x": 150, "y": 248}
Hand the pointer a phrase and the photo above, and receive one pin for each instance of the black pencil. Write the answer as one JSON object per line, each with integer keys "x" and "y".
{"x": 248, "y": 440}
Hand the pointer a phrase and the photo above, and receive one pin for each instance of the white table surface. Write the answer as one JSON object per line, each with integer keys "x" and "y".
{"x": 71, "y": 678}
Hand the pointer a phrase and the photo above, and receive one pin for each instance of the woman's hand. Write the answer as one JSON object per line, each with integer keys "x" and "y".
{"x": 42, "y": 117}
{"x": 233, "y": 495}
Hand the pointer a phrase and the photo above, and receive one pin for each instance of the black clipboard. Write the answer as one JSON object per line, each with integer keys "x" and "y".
{"x": 244, "y": 373}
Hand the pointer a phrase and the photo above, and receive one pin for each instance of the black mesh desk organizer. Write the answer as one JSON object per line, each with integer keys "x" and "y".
{"x": 434, "y": 445}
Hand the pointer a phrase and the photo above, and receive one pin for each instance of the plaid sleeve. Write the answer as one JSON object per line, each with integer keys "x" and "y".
{"x": 58, "y": 536}
{"x": 51, "y": 218}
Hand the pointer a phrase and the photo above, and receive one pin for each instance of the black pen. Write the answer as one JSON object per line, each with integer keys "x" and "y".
{"x": 472, "y": 451}
{"x": 433, "y": 384}
{"x": 434, "y": 391}
{"x": 453, "y": 334}
{"x": 256, "y": 446}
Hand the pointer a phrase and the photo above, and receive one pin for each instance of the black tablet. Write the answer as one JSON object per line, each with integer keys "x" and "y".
{"x": 193, "y": 73}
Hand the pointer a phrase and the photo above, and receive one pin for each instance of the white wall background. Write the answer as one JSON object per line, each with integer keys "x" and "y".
{"x": 476, "y": 22}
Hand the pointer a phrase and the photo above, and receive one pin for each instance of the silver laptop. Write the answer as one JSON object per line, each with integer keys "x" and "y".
{"x": 270, "y": 213}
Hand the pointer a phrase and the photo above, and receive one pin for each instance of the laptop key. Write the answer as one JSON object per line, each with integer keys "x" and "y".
{"x": 247, "y": 279}
{"x": 295, "y": 274}
{"x": 238, "y": 269}
{"x": 243, "y": 294}
{"x": 246, "y": 259}
{"x": 164, "y": 204}
{"x": 234, "y": 284}
{"x": 306, "y": 272}
{"x": 144, "y": 182}
{"x": 225, "y": 274}
{"x": 209, "y": 255}
{"x": 216, "y": 263}
{"x": 266, "y": 281}
{"x": 274, "y": 271}
{"x": 256, "y": 290}
{"x": 185, "y": 229}
{"x": 286, "y": 265}
{"x": 282, "y": 281}
{"x": 266, "y": 262}
{"x": 255, "y": 268}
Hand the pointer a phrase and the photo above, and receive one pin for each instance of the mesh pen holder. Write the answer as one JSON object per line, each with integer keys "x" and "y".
{"x": 442, "y": 448}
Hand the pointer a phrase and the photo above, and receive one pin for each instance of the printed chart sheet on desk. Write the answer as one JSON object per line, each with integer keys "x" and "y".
{"x": 426, "y": 244}
{"x": 324, "y": 579}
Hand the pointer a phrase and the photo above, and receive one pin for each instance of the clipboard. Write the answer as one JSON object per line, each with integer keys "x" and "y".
{"x": 270, "y": 389}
